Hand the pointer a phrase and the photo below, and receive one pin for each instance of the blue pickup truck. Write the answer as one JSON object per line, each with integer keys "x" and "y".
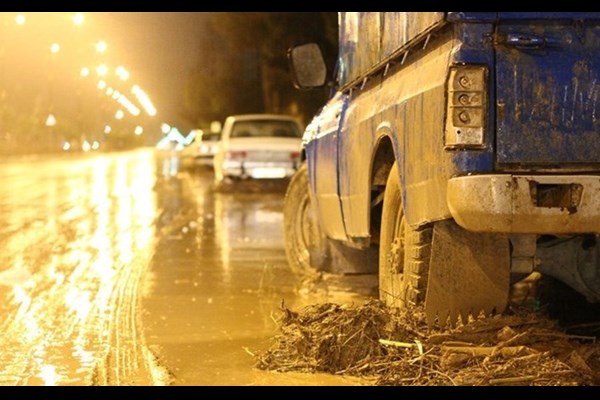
{"x": 459, "y": 153}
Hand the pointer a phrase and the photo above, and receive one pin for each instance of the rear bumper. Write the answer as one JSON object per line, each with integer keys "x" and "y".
{"x": 259, "y": 170}
{"x": 203, "y": 160}
{"x": 535, "y": 204}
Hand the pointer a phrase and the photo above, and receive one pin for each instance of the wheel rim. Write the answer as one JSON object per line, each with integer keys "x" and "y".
{"x": 304, "y": 229}
{"x": 396, "y": 251}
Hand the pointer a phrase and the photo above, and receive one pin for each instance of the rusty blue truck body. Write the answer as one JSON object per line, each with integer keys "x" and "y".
{"x": 491, "y": 118}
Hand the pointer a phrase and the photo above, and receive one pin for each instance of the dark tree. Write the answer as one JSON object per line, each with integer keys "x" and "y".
{"x": 243, "y": 67}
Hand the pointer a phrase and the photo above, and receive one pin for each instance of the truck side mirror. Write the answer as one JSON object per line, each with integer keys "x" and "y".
{"x": 307, "y": 66}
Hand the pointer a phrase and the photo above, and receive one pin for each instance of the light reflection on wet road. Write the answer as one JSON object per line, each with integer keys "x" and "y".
{"x": 76, "y": 237}
{"x": 216, "y": 283}
{"x": 109, "y": 276}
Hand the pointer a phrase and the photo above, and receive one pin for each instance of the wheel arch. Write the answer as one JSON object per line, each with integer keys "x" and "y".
{"x": 385, "y": 153}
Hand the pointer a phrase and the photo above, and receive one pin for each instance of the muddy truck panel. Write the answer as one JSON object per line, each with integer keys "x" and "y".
{"x": 487, "y": 123}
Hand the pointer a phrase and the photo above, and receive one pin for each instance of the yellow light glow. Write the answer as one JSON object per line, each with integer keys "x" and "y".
{"x": 107, "y": 129}
{"x": 109, "y": 91}
{"x": 50, "y": 120}
{"x": 119, "y": 114}
{"x": 85, "y": 72}
{"x": 144, "y": 100}
{"x": 20, "y": 19}
{"x": 129, "y": 106}
{"x": 101, "y": 85}
{"x": 54, "y": 48}
{"x": 122, "y": 73}
{"x": 102, "y": 70}
{"x": 86, "y": 146}
{"x": 138, "y": 130}
{"x": 101, "y": 46}
{"x": 165, "y": 128}
{"x": 78, "y": 18}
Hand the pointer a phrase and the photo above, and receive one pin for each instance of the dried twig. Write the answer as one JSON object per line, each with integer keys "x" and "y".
{"x": 512, "y": 379}
{"x": 395, "y": 343}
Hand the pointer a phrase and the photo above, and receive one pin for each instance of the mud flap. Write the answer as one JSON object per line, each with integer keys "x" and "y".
{"x": 469, "y": 273}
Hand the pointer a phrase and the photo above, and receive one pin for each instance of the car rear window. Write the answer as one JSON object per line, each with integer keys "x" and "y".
{"x": 212, "y": 136}
{"x": 265, "y": 129}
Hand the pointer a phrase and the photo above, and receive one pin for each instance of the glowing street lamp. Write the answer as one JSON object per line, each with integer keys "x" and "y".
{"x": 119, "y": 114}
{"x": 107, "y": 129}
{"x": 20, "y": 19}
{"x": 102, "y": 70}
{"x": 165, "y": 128}
{"x": 51, "y": 120}
{"x": 101, "y": 46}
{"x": 138, "y": 130}
{"x": 54, "y": 48}
{"x": 85, "y": 72}
{"x": 122, "y": 73}
{"x": 78, "y": 18}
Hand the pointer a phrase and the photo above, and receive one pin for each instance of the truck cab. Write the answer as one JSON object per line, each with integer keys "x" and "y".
{"x": 460, "y": 150}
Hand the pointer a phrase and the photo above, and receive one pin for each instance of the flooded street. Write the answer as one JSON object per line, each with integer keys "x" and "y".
{"x": 113, "y": 275}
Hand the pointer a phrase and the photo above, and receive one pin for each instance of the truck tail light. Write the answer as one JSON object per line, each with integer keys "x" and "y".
{"x": 467, "y": 105}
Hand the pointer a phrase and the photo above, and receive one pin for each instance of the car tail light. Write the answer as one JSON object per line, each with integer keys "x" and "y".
{"x": 467, "y": 101}
{"x": 295, "y": 155}
{"x": 236, "y": 155}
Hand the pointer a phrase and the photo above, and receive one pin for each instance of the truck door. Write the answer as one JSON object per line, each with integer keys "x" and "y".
{"x": 547, "y": 89}
{"x": 324, "y": 173}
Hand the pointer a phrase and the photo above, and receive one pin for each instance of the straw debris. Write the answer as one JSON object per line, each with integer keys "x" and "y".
{"x": 396, "y": 348}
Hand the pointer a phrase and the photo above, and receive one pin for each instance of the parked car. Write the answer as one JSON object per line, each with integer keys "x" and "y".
{"x": 201, "y": 151}
{"x": 207, "y": 148}
{"x": 258, "y": 146}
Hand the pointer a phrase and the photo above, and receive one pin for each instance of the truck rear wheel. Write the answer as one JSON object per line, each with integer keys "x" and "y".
{"x": 404, "y": 252}
{"x": 306, "y": 246}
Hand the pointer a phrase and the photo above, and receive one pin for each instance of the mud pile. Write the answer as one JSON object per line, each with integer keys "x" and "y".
{"x": 396, "y": 348}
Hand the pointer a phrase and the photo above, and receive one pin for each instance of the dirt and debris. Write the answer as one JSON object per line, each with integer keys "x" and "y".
{"x": 395, "y": 347}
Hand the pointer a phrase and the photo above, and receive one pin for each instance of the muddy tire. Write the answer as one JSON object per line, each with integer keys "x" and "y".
{"x": 306, "y": 245}
{"x": 404, "y": 252}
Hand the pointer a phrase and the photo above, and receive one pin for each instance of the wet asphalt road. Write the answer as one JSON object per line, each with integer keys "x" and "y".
{"x": 111, "y": 274}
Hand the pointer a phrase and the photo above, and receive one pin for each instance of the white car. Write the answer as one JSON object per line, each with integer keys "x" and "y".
{"x": 258, "y": 146}
{"x": 201, "y": 151}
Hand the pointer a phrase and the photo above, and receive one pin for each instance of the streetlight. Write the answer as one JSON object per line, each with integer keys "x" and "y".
{"x": 138, "y": 130}
{"x": 54, "y": 48}
{"x": 119, "y": 114}
{"x": 85, "y": 72}
{"x": 51, "y": 120}
{"x": 122, "y": 73}
{"x": 20, "y": 19}
{"x": 101, "y": 46}
{"x": 50, "y": 123}
{"x": 102, "y": 70}
{"x": 78, "y": 18}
